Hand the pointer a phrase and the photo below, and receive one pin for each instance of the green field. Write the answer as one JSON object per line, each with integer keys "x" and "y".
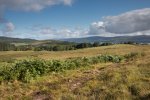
{"x": 93, "y": 78}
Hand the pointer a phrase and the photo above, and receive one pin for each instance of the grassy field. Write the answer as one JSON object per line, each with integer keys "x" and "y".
{"x": 126, "y": 80}
{"x": 114, "y": 49}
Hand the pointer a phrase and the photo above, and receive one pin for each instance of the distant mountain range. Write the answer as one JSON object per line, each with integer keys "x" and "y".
{"x": 20, "y": 42}
{"x": 119, "y": 39}
{"x": 16, "y": 40}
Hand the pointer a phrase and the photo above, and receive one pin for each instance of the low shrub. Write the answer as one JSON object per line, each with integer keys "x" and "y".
{"x": 27, "y": 70}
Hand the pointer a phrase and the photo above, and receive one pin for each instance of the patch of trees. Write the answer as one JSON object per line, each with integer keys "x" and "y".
{"x": 55, "y": 48}
{"x": 129, "y": 42}
{"x": 4, "y": 46}
{"x": 70, "y": 47}
{"x": 49, "y": 47}
{"x": 24, "y": 48}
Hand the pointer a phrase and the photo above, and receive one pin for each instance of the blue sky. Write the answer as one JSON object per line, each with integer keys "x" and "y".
{"x": 66, "y": 18}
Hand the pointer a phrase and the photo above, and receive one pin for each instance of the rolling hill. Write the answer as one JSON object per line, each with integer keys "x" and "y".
{"x": 16, "y": 40}
{"x": 119, "y": 39}
{"x": 19, "y": 41}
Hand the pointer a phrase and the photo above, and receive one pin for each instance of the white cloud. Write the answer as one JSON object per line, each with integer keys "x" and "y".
{"x": 68, "y": 2}
{"x": 31, "y": 5}
{"x": 133, "y": 22}
{"x": 9, "y": 27}
{"x": 96, "y": 28}
{"x": 46, "y": 32}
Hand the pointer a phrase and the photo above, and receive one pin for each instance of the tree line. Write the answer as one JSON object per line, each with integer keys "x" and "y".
{"x": 4, "y": 46}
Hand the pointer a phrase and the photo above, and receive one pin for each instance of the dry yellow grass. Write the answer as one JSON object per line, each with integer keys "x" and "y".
{"x": 114, "y": 49}
{"x": 127, "y": 80}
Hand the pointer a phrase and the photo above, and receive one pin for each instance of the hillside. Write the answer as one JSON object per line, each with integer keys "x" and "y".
{"x": 119, "y": 39}
{"x": 19, "y": 41}
{"x": 30, "y": 41}
{"x": 16, "y": 40}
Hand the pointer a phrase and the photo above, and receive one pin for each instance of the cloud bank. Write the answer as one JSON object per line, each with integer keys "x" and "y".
{"x": 31, "y": 5}
{"x": 42, "y": 32}
{"x": 127, "y": 23}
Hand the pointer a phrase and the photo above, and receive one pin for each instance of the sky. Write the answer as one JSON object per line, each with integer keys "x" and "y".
{"x": 55, "y": 19}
